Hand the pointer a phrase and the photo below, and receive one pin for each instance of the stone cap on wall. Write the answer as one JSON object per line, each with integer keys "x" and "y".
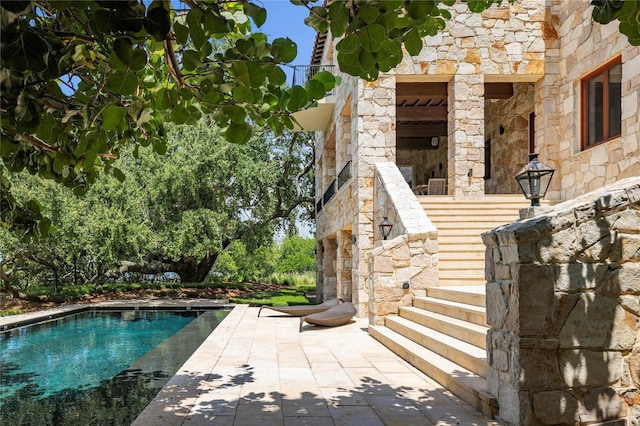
{"x": 571, "y": 213}
{"x": 411, "y": 216}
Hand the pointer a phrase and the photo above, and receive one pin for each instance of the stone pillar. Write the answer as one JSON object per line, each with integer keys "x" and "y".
{"x": 373, "y": 140}
{"x": 319, "y": 271}
{"x": 344, "y": 266}
{"x": 466, "y": 136}
{"x": 562, "y": 303}
{"x": 329, "y": 261}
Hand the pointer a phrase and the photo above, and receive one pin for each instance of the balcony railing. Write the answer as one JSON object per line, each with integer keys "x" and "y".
{"x": 303, "y": 73}
{"x": 329, "y": 193}
{"x": 345, "y": 174}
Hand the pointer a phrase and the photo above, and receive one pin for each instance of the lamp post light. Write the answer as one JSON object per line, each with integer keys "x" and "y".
{"x": 534, "y": 179}
{"x": 385, "y": 227}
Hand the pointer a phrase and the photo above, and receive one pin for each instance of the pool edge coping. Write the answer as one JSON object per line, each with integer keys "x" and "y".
{"x": 175, "y": 400}
{"x": 16, "y": 321}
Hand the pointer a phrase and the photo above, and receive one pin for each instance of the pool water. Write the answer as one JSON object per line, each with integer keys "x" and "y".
{"x": 95, "y": 367}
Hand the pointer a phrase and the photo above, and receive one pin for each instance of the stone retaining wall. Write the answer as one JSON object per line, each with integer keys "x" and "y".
{"x": 411, "y": 253}
{"x": 563, "y": 304}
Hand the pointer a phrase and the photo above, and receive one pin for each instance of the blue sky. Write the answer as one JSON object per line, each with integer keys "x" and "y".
{"x": 286, "y": 20}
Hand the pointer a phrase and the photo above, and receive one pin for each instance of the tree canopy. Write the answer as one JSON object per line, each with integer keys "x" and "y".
{"x": 175, "y": 212}
{"x": 83, "y": 80}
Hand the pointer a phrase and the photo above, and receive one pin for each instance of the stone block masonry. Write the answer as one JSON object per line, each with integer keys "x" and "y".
{"x": 410, "y": 255}
{"x": 563, "y": 304}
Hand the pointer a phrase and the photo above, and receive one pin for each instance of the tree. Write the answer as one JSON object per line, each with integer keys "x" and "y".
{"x": 83, "y": 80}
{"x": 175, "y": 212}
{"x": 297, "y": 255}
{"x": 238, "y": 264}
{"x": 626, "y": 12}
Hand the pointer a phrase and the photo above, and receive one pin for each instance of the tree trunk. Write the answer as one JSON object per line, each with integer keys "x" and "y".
{"x": 192, "y": 271}
{"x": 189, "y": 269}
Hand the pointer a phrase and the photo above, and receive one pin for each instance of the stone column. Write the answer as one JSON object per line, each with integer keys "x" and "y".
{"x": 320, "y": 272}
{"x": 466, "y": 136}
{"x": 344, "y": 266}
{"x": 373, "y": 140}
{"x": 329, "y": 261}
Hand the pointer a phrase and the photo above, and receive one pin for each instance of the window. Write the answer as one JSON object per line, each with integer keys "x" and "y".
{"x": 532, "y": 132}
{"x": 601, "y": 104}
{"x": 487, "y": 159}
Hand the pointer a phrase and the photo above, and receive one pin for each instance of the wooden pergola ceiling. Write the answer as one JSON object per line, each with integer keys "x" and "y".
{"x": 422, "y": 111}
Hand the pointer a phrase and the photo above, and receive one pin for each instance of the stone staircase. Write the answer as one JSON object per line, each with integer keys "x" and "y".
{"x": 444, "y": 333}
{"x": 460, "y": 224}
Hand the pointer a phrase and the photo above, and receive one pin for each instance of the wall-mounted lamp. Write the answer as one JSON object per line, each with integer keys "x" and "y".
{"x": 353, "y": 239}
{"x": 336, "y": 243}
{"x": 534, "y": 179}
{"x": 385, "y": 227}
{"x": 434, "y": 141}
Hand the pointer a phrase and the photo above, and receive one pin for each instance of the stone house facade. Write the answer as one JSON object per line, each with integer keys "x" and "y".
{"x": 481, "y": 95}
{"x": 532, "y": 76}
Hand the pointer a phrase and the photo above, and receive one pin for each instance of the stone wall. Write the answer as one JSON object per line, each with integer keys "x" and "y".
{"x": 427, "y": 163}
{"x": 507, "y": 126}
{"x": 583, "y": 47}
{"x": 409, "y": 255}
{"x": 563, "y": 304}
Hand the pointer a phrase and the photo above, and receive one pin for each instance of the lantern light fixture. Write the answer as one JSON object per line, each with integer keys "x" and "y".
{"x": 385, "y": 227}
{"x": 534, "y": 179}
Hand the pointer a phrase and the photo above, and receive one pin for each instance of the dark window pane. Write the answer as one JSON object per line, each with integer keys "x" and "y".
{"x": 594, "y": 118}
{"x": 615, "y": 103}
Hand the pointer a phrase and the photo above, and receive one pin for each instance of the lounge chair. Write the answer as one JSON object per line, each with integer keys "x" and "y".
{"x": 302, "y": 310}
{"x": 338, "y": 315}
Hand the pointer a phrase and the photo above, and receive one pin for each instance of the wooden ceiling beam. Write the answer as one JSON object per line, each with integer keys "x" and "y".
{"x": 437, "y": 91}
{"x": 421, "y": 90}
{"x": 414, "y": 143}
{"x": 421, "y": 113}
{"x": 426, "y": 130}
{"x": 498, "y": 90}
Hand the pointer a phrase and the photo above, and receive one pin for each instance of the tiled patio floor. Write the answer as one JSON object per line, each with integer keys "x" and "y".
{"x": 262, "y": 371}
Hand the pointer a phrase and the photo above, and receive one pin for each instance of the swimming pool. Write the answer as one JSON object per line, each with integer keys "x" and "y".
{"x": 95, "y": 367}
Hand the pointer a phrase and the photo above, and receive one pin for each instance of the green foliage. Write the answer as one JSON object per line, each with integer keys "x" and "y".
{"x": 81, "y": 82}
{"x": 273, "y": 298}
{"x": 7, "y": 312}
{"x": 174, "y": 213}
{"x": 626, "y": 12}
{"x": 305, "y": 281}
{"x": 297, "y": 255}
{"x": 238, "y": 264}
{"x": 292, "y": 262}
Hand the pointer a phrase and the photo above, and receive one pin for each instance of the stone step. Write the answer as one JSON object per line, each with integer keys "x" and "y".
{"x": 456, "y": 230}
{"x": 470, "y": 295}
{"x": 460, "y": 352}
{"x": 462, "y": 222}
{"x": 461, "y": 245}
{"x": 462, "y": 274}
{"x": 456, "y": 282}
{"x": 461, "y": 264}
{"x": 462, "y": 254}
{"x": 471, "y": 217}
{"x": 473, "y": 334}
{"x": 461, "y": 311}
{"x": 465, "y": 384}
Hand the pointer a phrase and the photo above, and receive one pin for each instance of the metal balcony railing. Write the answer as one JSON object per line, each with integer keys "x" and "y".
{"x": 345, "y": 174}
{"x": 303, "y": 73}
{"x": 329, "y": 193}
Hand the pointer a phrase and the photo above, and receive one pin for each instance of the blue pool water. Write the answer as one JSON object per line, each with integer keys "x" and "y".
{"x": 95, "y": 367}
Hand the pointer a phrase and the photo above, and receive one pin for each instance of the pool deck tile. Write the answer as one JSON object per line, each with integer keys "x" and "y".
{"x": 262, "y": 371}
